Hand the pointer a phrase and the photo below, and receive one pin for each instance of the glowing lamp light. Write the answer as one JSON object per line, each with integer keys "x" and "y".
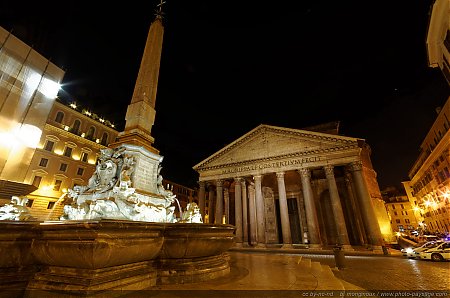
{"x": 101, "y": 120}
{"x": 66, "y": 128}
{"x": 29, "y": 135}
{"x": 76, "y": 157}
{"x": 58, "y": 152}
{"x": 32, "y": 81}
{"x": 73, "y": 105}
{"x": 49, "y": 88}
{"x": 47, "y": 187}
{"x": 83, "y": 134}
{"x": 97, "y": 141}
{"x": 7, "y": 139}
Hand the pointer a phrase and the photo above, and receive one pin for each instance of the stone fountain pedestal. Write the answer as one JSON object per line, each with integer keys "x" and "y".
{"x": 91, "y": 258}
{"x": 106, "y": 258}
{"x": 17, "y": 264}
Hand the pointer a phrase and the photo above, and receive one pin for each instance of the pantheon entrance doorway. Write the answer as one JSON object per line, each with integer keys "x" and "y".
{"x": 294, "y": 221}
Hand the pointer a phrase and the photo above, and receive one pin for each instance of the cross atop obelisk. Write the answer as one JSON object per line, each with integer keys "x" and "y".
{"x": 141, "y": 111}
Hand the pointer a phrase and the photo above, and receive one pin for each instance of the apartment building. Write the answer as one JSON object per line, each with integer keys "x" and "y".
{"x": 29, "y": 84}
{"x": 429, "y": 183}
{"x": 65, "y": 156}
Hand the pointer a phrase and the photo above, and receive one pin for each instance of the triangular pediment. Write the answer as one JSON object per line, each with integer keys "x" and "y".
{"x": 266, "y": 142}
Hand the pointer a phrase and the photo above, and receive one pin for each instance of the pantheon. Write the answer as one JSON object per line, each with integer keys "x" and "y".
{"x": 295, "y": 187}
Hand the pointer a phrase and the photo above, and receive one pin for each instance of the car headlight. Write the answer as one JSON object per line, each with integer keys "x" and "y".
{"x": 409, "y": 250}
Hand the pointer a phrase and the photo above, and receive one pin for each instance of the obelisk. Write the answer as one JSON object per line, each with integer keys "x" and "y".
{"x": 140, "y": 116}
{"x": 141, "y": 112}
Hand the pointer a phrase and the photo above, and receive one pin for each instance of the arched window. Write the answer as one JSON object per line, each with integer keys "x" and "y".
{"x": 59, "y": 117}
{"x": 104, "y": 141}
{"x": 76, "y": 126}
{"x": 90, "y": 133}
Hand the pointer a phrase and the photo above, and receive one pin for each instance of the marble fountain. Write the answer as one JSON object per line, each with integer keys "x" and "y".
{"x": 117, "y": 233}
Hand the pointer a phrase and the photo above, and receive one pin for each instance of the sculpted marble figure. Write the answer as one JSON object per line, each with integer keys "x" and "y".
{"x": 15, "y": 210}
{"x": 109, "y": 194}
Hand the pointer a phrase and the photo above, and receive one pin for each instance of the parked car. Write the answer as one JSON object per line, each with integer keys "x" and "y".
{"x": 440, "y": 252}
{"x": 414, "y": 252}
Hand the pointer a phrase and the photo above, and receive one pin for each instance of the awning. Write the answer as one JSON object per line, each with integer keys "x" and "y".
{"x": 11, "y": 188}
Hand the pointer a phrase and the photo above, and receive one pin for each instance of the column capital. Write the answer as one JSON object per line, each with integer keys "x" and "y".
{"x": 280, "y": 175}
{"x": 347, "y": 177}
{"x": 257, "y": 177}
{"x": 355, "y": 166}
{"x": 219, "y": 183}
{"x": 305, "y": 172}
{"x": 329, "y": 170}
{"x": 209, "y": 185}
{"x": 201, "y": 183}
{"x": 237, "y": 179}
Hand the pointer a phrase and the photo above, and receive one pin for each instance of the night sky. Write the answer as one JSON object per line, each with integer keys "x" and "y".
{"x": 228, "y": 66}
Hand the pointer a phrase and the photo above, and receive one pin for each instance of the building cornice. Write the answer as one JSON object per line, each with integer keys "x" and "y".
{"x": 70, "y": 135}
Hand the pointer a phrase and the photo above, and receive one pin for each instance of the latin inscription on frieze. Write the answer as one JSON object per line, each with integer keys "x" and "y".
{"x": 272, "y": 165}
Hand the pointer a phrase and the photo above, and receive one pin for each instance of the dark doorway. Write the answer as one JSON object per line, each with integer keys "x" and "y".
{"x": 280, "y": 233}
{"x": 294, "y": 221}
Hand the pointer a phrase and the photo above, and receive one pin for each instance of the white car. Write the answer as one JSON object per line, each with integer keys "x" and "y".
{"x": 440, "y": 252}
{"x": 414, "y": 252}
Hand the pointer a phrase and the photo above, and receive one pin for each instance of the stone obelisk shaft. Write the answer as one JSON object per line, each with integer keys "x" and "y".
{"x": 141, "y": 111}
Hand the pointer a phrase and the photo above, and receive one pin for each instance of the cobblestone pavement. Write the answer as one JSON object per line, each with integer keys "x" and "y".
{"x": 390, "y": 272}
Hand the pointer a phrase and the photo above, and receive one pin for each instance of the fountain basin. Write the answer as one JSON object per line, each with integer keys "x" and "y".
{"x": 193, "y": 240}
{"x": 96, "y": 244}
{"x": 102, "y": 256}
{"x": 16, "y": 260}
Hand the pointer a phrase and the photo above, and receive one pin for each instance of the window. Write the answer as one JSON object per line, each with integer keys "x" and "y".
{"x": 104, "y": 140}
{"x": 68, "y": 151}
{"x": 401, "y": 205}
{"x": 80, "y": 171}
{"x": 397, "y": 220}
{"x": 57, "y": 185}
{"x": 37, "y": 181}
{"x": 49, "y": 145}
{"x": 50, "y": 205}
{"x": 395, "y": 213}
{"x": 393, "y": 206}
{"x": 43, "y": 162}
{"x": 63, "y": 167}
{"x": 59, "y": 117}
{"x": 90, "y": 133}
{"x": 76, "y": 126}
{"x": 84, "y": 156}
{"x": 407, "y": 220}
{"x": 30, "y": 203}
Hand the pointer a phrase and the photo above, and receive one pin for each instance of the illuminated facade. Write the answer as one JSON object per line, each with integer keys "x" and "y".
{"x": 438, "y": 37}
{"x": 65, "y": 156}
{"x": 401, "y": 214}
{"x": 286, "y": 187}
{"x": 429, "y": 183}
{"x": 29, "y": 84}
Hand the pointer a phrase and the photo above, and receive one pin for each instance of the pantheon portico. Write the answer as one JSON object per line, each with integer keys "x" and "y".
{"x": 287, "y": 187}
